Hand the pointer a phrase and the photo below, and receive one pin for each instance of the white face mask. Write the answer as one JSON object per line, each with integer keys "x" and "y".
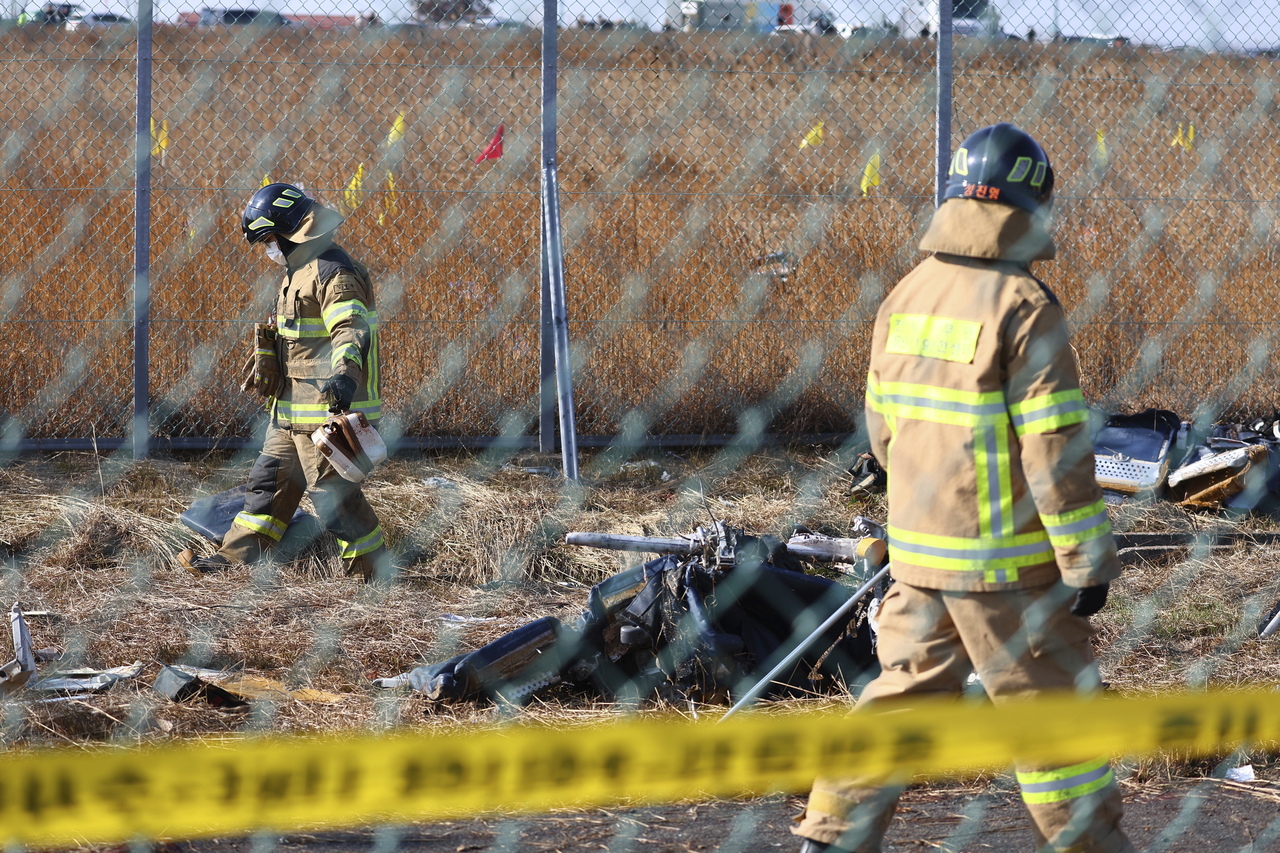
{"x": 274, "y": 253}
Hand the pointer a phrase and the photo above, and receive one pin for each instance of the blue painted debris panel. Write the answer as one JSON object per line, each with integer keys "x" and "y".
{"x": 211, "y": 516}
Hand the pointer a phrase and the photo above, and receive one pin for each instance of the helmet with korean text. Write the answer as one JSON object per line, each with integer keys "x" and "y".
{"x": 1003, "y": 164}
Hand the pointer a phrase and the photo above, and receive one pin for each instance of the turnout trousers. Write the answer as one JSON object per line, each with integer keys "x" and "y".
{"x": 288, "y": 467}
{"x": 1020, "y": 642}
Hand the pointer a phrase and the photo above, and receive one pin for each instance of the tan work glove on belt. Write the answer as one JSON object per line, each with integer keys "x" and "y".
{"x": 262, "y": 370}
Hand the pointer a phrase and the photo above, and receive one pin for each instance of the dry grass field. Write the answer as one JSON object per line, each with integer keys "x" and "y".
{"x": 86, "y": 545}
{"x": 679, "y": 164}
{"x": 89, "y": 542}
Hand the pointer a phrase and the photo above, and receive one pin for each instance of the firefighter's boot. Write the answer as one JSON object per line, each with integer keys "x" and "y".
{"x": 374, "y": 567}
{"x": 808, "y": 845}
{"x": 201, "y": 566}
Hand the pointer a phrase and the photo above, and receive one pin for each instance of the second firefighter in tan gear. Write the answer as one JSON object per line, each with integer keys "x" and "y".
{"x": 999, "y": 540}
{"x": 319, "y": 356}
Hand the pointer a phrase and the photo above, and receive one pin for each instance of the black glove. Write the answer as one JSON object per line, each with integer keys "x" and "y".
{"x": 1089, "y": 600}
{"x": 338, "y": 391}
{"x": 869, "y": 476}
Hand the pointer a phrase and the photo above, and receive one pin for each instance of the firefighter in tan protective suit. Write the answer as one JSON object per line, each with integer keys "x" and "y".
{"x": 320, "y": 355}
{"x": 998, "y": 535}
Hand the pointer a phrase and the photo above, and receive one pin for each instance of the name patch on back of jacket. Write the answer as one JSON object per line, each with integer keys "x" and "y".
{"x": 933, "y": 337}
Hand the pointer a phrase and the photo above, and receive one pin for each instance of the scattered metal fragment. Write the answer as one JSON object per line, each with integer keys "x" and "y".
{"x": 778, "y": 265}
{"x": 1271, "y": 624}
{"x": 18, "y": 672}
{"x": 73, "y": 681}
{"x": 1215, "y": 480}
{"x": 21, "y": 672}
{"x": 180, "y": 685}
{"x": 222, "y": 688}
{"x": 1233, "y": 467}
{"x": 537, "y": 470}
{"x": 1243, "y": 773}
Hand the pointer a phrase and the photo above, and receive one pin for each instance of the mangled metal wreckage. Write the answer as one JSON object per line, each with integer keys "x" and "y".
{"x": 1224, "y": 466}
{"x": 703, "y": 621}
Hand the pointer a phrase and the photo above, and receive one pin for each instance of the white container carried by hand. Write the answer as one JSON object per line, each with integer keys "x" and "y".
{"x": 351, "y": 445}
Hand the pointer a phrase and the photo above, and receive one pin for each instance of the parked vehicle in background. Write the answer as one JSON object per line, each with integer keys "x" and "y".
{"x": 862, "y": 31}
{"x": 325, "y": 23}
{"x": 458, "y": 14}
{"x": 488, "y": 22}
{"x": 96, "y": 21}
{"x": 429, "y": 12}
{"x": 822, "y": 25}
{"x": 923, "y": 18}
{"x": 242, "y": 17}
{"x": 759, "y": 16}
{"x": 55, "y": 14}
{"x": 816, "y": 23}
{"x": 484, "y": 22}
{"x": 1099, "y": 40}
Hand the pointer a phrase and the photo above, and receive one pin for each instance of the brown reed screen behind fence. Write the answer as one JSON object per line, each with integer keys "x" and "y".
{"x": 736, "y": 202}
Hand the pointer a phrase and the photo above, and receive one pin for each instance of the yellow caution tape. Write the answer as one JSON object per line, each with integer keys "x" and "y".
{"x": 62, "y": 797}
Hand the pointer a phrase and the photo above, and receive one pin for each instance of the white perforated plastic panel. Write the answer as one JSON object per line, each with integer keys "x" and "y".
{"x": 1128, "y": 475}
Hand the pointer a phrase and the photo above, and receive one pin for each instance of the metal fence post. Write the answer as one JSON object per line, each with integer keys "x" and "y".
{"x": 943, "y": 129}
{"x": 142, "y": 239}
{"x": 553, "y": 296}
{"x": 546, "y": 331}
{"x": 547, "y": 361}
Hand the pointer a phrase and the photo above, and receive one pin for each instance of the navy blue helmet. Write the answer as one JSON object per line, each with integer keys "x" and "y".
{"x": 1004, "y": 164}
{"x": 275, "y": 209}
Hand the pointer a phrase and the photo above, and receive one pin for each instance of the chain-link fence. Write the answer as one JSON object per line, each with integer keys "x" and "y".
{"x": 737, "y": 195}
{"x": 741, "y": 186}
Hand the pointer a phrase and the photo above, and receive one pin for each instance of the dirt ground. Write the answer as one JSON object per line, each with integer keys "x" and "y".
{"x": 1178, "y": 816}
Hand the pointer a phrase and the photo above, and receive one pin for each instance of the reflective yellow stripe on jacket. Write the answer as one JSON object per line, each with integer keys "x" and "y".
{"x": 994, "y": 480}
{"x": 998, "y": 551}
{"x": 351, "y": 352}
{"x": 1048, "y": 412}
{"x": 938, "y": 405}
{"x": 341, "y": 311}
{"x": 1078, "y": 526}
{"x": 998, "y": 558}
{"x": 1065, "y": 783}
{"x": 298, "y": 328}
{"x": 302, "y": 415}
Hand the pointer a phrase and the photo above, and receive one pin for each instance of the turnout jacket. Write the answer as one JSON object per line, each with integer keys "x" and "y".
{"x": 325, "y": 325}
{"x": 975, "y": 411}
